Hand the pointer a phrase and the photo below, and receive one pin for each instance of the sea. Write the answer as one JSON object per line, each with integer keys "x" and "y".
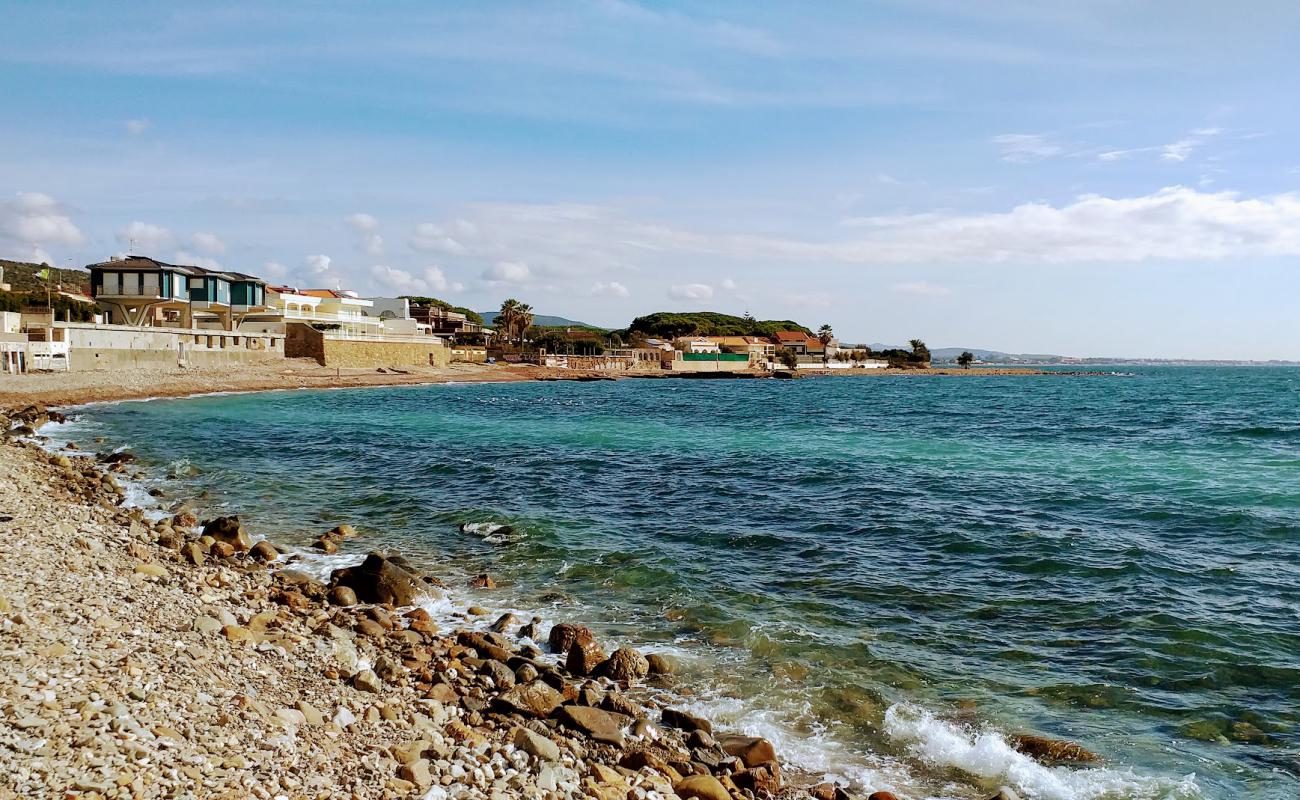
{"x": 889, "y": 577}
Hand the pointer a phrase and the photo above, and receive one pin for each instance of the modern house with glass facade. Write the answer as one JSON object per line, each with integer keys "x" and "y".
{"x": 142, "y": 291}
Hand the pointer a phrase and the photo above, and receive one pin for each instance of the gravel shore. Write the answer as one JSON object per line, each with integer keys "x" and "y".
{"x": 174, "y": 658}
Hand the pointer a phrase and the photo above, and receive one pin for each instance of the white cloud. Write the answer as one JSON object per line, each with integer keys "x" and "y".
{"x": 318, "y": 264}
{"x": 142, "y": 236}
{"x": 438, "y": 281}
{"x": 400, "y": 281}
{"x": 1026, "y": 148}
{"x": 690, "y": 291}
{"x": 190, "y": 259}
{"x": 1179, "y": 150}
{"x": 508, "y": 272}
{"x": 34, "y": 218}
{"x": 431, "y": 238}
{"x": 611, "y": 289}
{"x": 135, "y": 127}
{"x": 373, "y": 244}
{"x": 363, "y": 222}
{"x": 274, "y": 270}
{"x": 729, "y": 284}
{"x": 922, "y": 288}
{"x": 208, "y": 243}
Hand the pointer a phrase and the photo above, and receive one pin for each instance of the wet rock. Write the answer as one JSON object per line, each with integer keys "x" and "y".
{"x": 626, "y": 664}
{"x": 752, "y": 750}
{"x": 483, "y": 581}
{"x": 344, "y": 531}
{"x": 536, "y": 699}
{"x": 228, "y": 530}
{"x": 525, "y": 673}
{"x": 325, "y": 545}
{"x": 343, "y": 596}
{"x": 368, "y": 627}
{"x": 1005, "y": 793}
{"x": 379, "y": 579}
{"x": 565, "y": 635}
{"x": 761, "y": 781}
{"x": 682, "y": 720}
{"x": 584, "y": 657}
{"x": 264, "y": 551}
{"x": 703, "y": 787}
{"x": 660, "y": 664}
{"x": 839, "y": 794}
{"x": 503, "y": 622}
{"x": 502, "y": 676}
{"x": 1053, "y": 751}
{"x": 536, "y": 745}
{"x": 621, "y": 704}
{"x": 221, "y": 550}
{"x": 600, "y": 726}
{"x": 184, "y": 519}
{"x": 529, "y": 630}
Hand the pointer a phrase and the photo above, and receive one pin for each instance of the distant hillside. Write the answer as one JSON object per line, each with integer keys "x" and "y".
{"x": 993, "y": 356}
{"x": 543, "y": 321}
{"x": 668, "y": 324}
{"x": 22, "y": 276}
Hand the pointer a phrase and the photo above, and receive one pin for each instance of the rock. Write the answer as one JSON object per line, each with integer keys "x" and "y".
{"x": 840, "y": 794}
{"x": 417, "y": 772}
{"x": 184, "y": 519}
{"x": 343, "y": 596}
{"x": 194, "y": 553}
{"x": 684, "y": 721}
{"x": 367, "y": 681}
{"x": 503, "y": 622}
{"x": 151, "y": 570}
{"x": 536, "y": 699}
{"x": 343, "y": 717}
{"x": 660, "y": 664}
{"x": 310, "y": 714}
{"x": 477, "y": 611}
{"x": 752, "y": 750}
{"x": 761, "y": 781}
{"x": 368, "y": 627}
{"x": 221, "y": 550}
{"x": 389, "y": 669}
{"x": 621, "y": 704}
{"x": 601, "y": 726}
{"x": 379, "y": 580}
{"x": 264, "y": 551}
{"x": 1053, "y": 751}
{"x": 483, "y": 581}
{"x": 228, "y": 530}
{"x": 529, "y": 629}
{"x": 344, "y": 531}
{"x": 704, "y": 787}
{"x": 502, "y": 676}
{"x": 290, "y": 717}
{"x": 564, "y": 635}
{"x": 526, "y": 673}
{"x": 536, "y": 745}
{"x": 1005, "y": 793}
{"x": 326, "y": 545}
{"x": 584, "y": 657}
{"x": 626, "y": 664}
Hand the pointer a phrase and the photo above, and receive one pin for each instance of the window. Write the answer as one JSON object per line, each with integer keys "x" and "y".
{"x": 149, "y": 284}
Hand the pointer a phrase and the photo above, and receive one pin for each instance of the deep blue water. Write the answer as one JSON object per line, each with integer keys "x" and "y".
{"x": 894, "y": 572}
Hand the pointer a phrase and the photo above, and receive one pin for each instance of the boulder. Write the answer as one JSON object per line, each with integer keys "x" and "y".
{"x": 1005, "y": 793}
{"x": 228, "y": 530}
{"x": 483, "y": 581}
{"x": 529, "y": 630}
{"x": 600, "y": 726}
{"x": 840, "y": 794}
{"x": 761, "y": 781}
{"x": 184, "y": 519}
{"x": 703, "y": 787}
{"x": 343, "y": 596}
{"x": 536, "y": 745}
{"x": 416, "y": 772}
{"x": 502, "y": 676}
{"x": 194, "y": 553}
{"x": 341, "y": 532}
{"x": 584, "y": 657}
{"x": 535, "y": 699}
{"x": 564, "y": 635}
{"x": 379, "y": 579}
{"x": 682, "y": 720}
{"x": 1053, "y": 751}
{"x": 626, "y": 664}
{"x": 264, "y": 551}
{"x": 660, "y": 664}
{"x": 367, "y": 681}
{"x": 752, "y": 750}
{"x": 503, "y": 622}
{"x": 326, "y": 545}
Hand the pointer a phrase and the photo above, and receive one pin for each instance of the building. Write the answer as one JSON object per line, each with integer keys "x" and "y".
{"x": 343, "y": 312}
{"x": 696, "y": 344}
{"x": 759, "y": 350}
{"x": 144, "y": 292}
{"x": 446, "y": 322}
{"x": 795, "y": 341}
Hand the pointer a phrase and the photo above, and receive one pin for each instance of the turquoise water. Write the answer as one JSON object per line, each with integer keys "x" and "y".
{"x": 895, "y": 573}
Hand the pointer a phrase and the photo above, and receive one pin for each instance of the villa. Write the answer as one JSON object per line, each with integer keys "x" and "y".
{"x": 145, "y": 292}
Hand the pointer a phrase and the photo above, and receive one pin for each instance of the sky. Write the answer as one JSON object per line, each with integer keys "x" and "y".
{"x": 1092, "y": 178}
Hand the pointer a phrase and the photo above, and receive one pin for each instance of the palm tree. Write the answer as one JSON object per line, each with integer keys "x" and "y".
{"x": 825, "y": 334}
{"x": 524, "y": 320}
{"x": 919, "y": 351}
{"x": 507, "y": 317}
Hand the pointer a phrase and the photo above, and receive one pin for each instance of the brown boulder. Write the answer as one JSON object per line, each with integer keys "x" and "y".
{"x": 379, "y": 579}
{"x": 264, "y": 551}
{"x": 840, "y": 794}
{"x": 343, "y": 596}
{"x": 684, "y": 721}
{"x": 326, "y": 545}
{"x": 483, "y": 581}
{"x": 229, "y": 530}
{"x": 535, "y": 699}
{"x": 626, "y": 664}
{"x": 701, "y": 787}
{"x": 583, "y": 658}
{"x": 660, "y": 664}
{"x": 752, "y": 750}
{"x": 600, "y": 726}
{"x": 1053, "y": 751}
{"x": 564, "y": 635}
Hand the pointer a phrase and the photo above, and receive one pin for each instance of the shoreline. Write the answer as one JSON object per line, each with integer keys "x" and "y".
{"x": 656, "y": 761}
{"x": 352, "y": 668}
{"x": 83, "y": 388}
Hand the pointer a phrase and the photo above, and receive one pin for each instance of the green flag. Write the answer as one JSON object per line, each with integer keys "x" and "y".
{"x": 44, "y": 274}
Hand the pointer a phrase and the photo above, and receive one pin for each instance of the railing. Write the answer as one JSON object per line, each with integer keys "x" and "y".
{"x": 355, "y": 336}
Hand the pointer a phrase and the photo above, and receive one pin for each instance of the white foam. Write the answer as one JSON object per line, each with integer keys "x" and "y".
{"x": 988, "y": 756}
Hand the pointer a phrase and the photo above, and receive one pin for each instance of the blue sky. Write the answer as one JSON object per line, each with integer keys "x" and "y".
{"x": 1088, "y": 178}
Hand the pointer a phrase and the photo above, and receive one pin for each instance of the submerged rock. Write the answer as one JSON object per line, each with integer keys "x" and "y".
{"x": 1047, "y": 750}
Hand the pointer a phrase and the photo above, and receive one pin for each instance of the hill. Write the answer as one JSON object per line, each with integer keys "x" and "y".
{"x": 21, "y": 275}
{"x": 669, "y": 324}
{"x": 543, "y": 321}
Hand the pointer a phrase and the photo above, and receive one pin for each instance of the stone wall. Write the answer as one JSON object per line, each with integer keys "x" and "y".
{"x": 360, "y": 353}
{"x": 109, "y": 347}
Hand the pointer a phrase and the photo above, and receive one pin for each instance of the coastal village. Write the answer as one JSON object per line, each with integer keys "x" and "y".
{"x": 135, "y": 311}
